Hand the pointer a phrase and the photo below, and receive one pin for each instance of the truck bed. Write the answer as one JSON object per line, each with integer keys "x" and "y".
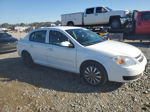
{"x": 77, "y": 18}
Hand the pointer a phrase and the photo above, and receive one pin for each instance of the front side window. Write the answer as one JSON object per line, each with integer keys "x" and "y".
{"x": 90, "y": 11}
{"x": 146, "y": 16}
{"x": 85, "y": 37}
{"x": 38, "y": 36}
{"x": 56, "y": 38}
{"x": 100, "y": 10}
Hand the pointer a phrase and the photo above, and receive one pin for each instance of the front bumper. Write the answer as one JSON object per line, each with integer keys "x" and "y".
{"x": 7, "y": 47}
{"x": 130, "y": 78}
{"x": 127, "y": 74}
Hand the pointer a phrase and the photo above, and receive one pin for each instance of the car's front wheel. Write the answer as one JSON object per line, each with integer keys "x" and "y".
{"x": 94, "y": 73}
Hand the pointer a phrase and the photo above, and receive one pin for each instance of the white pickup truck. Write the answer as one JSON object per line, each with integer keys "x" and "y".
{"x": 95, "y": 16}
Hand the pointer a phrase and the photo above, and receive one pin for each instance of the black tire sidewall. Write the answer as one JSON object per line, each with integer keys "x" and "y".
{"x": 100, "y": 68}
{"x": 70, "y": 24}
{"x": 27, "y": 59}
{"x": 115, "y": 20}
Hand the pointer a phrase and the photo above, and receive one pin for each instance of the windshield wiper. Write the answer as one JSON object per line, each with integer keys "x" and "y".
{"x": 87, "y": 44}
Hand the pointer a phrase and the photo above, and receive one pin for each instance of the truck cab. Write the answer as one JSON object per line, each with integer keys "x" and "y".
{"x": 102, "y": 15}
{"x": 142, "y": 25}
{"x": 95, "y": 16}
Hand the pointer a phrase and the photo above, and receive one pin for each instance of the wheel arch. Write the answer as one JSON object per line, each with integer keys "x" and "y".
{"x": 70, "y": 22}
{"x": 25, "y": 51}
{"x": 114, "y": 17}
{"x": 94, "y": 61}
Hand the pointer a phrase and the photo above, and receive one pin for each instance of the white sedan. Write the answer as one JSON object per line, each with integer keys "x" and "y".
{"x": 81, "y": 51}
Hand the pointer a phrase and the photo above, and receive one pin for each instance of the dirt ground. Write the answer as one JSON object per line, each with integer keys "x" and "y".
{"x": 43, "y": 89}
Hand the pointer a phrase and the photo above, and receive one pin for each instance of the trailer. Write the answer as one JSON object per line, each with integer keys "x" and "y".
{"x": 135, "y": 28}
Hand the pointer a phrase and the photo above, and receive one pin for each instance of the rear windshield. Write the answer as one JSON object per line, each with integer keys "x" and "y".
{"x": 3, "y": 35}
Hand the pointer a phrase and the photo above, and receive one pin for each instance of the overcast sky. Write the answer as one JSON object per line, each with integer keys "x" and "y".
{"x": 28, "y": 11}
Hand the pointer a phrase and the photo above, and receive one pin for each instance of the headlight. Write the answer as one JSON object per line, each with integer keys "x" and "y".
{"x": 124, "y": 61}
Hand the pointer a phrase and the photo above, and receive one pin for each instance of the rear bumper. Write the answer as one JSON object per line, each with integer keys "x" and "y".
{"x": 7, "y": 51}
{"x": 5, "y": 48}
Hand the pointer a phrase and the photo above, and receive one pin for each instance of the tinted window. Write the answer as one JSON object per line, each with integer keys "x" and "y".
{"x": 38, "y": 36}
{"x": 56, "y": 38}
{"x": 100, "y": 10}
{"x": 146, "y": 16}
{"x": 90, "y": 11}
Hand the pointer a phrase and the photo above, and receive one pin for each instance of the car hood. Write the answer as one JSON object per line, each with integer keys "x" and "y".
{"x": 122, "y": 13}
{"x": 115, "y": 48}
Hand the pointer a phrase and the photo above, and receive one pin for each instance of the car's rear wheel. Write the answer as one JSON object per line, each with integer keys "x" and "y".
{"x": 94, "y": 73}
{"x": 27, "y": 59}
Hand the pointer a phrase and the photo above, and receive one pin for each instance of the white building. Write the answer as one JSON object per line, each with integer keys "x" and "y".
{"x": 4, "y": 29}
{"x": 21, "y": 28}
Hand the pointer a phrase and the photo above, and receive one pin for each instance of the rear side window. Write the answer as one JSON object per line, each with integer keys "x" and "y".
{"x": 38, "y": 36}
{"x": 90, "y": 11}
{"x": 146, "y": 16}
{"x": 56, "y": 38}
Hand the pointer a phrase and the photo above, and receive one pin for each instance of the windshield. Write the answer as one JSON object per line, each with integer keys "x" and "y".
{"x": 108, "y": 8}
{"x": 3, "y": 35}
{"x": 85, "y": 37}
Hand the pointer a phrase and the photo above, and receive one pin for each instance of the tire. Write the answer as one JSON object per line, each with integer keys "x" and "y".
{"x": 94, "y": 73}
{"x": 115, "y": 23}
{"x": 70, "y": 24}
{"x": 27, "y": 59}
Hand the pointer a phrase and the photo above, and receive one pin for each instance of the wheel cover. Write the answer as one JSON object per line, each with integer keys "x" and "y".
{"x": 92, "y": 75}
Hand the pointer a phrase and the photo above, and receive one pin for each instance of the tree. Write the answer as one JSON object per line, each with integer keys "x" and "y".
{"x": 57, "y": 22}
{"x": 5, "y": 25}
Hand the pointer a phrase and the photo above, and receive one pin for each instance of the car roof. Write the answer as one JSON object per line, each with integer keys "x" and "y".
{"x": 59, "y": 27}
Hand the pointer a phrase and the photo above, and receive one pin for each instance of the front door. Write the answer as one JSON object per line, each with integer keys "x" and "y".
{"x": 60, "y": 56}
{"x": 101, "y": 16}
{"x": 89, "y": 16}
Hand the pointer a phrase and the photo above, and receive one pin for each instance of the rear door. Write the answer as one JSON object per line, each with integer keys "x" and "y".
{"x": 38, "y": 46}
{"x": 143, "y": 23}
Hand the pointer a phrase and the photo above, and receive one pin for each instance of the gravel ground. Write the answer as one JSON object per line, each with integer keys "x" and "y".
{"x": 42, "y": 89}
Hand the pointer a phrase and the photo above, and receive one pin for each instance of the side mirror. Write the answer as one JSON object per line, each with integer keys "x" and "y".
{"x": 67, "y": 44}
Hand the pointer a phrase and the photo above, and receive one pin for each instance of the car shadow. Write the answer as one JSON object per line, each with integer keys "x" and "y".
{"x": 13, "y": 69}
